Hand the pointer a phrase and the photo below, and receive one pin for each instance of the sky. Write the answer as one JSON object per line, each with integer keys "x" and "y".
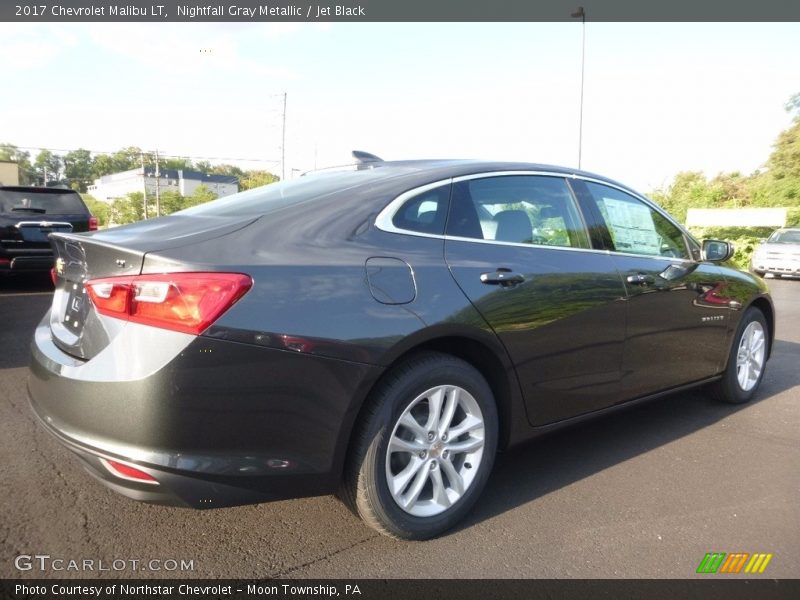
{"x": 659, "y": 98}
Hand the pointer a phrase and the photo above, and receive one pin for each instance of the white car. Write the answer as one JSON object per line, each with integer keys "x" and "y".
{"x": 779, "y": 254}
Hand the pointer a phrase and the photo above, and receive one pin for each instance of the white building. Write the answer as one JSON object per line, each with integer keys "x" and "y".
{"x": 117, "y": 185}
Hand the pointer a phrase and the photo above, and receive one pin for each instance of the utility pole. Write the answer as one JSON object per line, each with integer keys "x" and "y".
{"x": 582, "y": 14}
{"x": 158, "y": 188}
{"x": 144, "y": 185}
{"x": 283, "y": 142}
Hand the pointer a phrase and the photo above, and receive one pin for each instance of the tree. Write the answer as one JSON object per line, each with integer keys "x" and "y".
{"x": 47, "y": 166}
{"x": 78, "y": 169}
{"x": 784, "y": 162}
{"x": 98, "y": 208}
{"x": 230, "y": 170}
{"x": 253, "y": 179}
{"x": 200, "y": 195}
{"x": 171, "y": 201}
{"x": 176, "y": 163}
{"x": 127, "y": 210}
{"x": 22, "y": 158}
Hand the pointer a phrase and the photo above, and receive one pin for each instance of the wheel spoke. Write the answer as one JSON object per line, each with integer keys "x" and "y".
{"x": 400, "y": 445}
{"x": 758, "y": 344}
{"x": 410, "y": 423}
{"x": 469, "y": 423}
{"x": 400, "y": 481}
{"x": 450, "y": 405}
{"x": 456, "y": 482}
{"x": 439, "y": 491}
{"x": 470, "y": 445}
{"x": 435, "y": 408}
{"x": 416, "y": 488}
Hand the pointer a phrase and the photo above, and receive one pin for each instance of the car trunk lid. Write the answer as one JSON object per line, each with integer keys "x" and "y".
{"x": 76, "y": 326}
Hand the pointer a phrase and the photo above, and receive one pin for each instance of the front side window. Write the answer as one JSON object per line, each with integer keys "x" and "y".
{"x": 521, "y": 209}
{"x": 636, "y": 228}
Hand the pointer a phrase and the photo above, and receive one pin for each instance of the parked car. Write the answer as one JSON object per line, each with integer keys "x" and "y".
{"x": 779, "y": 254}
{"x": 28, "y": 215}
{"x": 380, "y": 333}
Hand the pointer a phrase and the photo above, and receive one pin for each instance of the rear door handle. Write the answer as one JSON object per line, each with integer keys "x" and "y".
{"x": 640, "y": 279}
{"x": 502, "y": 277}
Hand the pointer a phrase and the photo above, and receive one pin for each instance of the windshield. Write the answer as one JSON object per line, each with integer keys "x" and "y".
{"x": 41, "y": 202}
{"x": 788, "y": 236}
{"x": 275, "y": 196}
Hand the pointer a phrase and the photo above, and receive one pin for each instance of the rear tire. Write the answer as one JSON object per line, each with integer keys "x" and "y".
{"x": 747, "y": 360}
{"x": 423, "y": 449}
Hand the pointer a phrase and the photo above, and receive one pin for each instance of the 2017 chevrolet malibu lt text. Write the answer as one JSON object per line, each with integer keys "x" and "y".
{"x": 380, "y": 333}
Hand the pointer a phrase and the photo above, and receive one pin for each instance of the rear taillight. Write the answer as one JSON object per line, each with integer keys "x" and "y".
{"x": 53, "y": 276}
{"x": 186, "y": 302}
{"x": 92, "y": 223}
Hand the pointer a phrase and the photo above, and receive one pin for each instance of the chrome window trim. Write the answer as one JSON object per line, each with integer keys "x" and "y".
{"x": 384, "y": 219}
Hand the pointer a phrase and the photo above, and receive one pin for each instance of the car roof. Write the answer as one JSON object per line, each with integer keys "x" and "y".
{"x": 430, "y": 170}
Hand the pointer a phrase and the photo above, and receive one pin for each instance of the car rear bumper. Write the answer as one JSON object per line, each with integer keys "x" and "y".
{"x": 26, "y": 262}
{"x": 223, "y": 423}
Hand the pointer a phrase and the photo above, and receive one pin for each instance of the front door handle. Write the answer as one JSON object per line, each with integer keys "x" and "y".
{"x": 640, "y": 279}
{"x": 502, "y": 277}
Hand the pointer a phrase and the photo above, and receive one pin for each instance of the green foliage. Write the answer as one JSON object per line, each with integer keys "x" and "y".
{"x": 127, "y": 210}
{"x": 201, "y": 195}
{"x": 47, "y": 166}
{"x": 730, "y": 233}
{"x": 171, "y": 201}
{"x": 254, "y": 179}
{"x": 98, "y": 208}
{"x": 744, "y": 246}
{"x": 778, "y": 186}
{"x": 78, "y": 169}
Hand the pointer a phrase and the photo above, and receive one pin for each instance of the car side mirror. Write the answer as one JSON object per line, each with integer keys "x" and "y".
{"x": 717, "y": 251}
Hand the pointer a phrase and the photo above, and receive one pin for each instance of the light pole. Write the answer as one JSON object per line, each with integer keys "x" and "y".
{"x": 581, "y": 13}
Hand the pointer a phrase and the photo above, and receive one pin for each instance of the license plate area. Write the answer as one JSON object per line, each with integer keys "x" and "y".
{"x": 37, "y": 231}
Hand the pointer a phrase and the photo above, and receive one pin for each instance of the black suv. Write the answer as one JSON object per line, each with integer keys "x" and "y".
{"x": 28, "y": 215}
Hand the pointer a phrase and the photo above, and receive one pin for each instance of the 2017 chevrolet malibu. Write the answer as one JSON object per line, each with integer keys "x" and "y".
{"x": 380, "y": 332}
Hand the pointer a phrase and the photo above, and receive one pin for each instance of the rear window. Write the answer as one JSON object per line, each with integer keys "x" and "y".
{"x": 36, "y": 202}
{"x": 275, "y": 196}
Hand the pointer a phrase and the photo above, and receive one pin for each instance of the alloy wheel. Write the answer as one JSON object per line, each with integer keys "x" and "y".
{"x": 750, "y": 356}
{"x": 435, "y": 450}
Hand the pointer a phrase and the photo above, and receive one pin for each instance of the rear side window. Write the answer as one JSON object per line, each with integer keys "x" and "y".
{"x": 522, "y": 209}
{"x": 35, "y": 202}
{"x": 425, "y": 212}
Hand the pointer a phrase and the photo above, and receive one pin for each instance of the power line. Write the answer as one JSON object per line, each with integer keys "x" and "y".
{"x": 262, "y": 160}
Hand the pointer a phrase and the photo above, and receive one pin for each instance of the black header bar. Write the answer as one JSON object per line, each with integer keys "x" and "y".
{"x": 365, "y": 11}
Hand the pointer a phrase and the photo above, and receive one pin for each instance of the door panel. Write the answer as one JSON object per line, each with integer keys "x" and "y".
{"x": 518, "y": 249}
{"x": 677, "y": 325}
{"x": 677, "y": 309}
{"x": 563, "y": 326}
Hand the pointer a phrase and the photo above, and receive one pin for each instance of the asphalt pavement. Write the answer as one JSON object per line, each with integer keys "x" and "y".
{"x": 643, "y": 493}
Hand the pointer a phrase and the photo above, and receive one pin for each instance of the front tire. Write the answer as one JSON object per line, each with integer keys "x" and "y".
{"x": 747, "y": 360}
{"x": 423, "y": 449}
